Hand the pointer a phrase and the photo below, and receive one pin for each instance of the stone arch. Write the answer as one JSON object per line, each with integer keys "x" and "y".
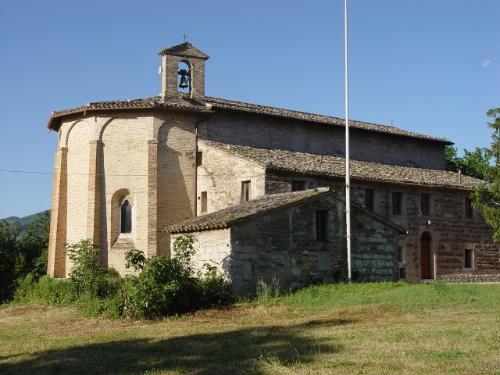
{"x": 65, "y": 138}
{"x": 101, "y": 127}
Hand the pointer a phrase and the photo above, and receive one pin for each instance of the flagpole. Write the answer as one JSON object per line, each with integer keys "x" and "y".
{"x": 347, "y": 166}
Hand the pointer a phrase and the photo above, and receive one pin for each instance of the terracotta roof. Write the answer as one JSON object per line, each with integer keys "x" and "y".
{"x": 334, "y": 166}
{"x": 214, "y": 104}
{"x": 226, "y": 217}
{"x": 184, "y": 49}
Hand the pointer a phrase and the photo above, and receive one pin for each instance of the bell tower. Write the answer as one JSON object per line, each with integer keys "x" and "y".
{"x": 183, "y": 73}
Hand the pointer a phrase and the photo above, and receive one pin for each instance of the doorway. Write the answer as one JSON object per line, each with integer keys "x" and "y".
{"x": 425, "y": 256}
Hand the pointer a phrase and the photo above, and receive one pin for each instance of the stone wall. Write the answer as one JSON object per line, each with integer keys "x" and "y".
{"x": 451, "y": 232}
{"x": 211, "y": 247}
{"x": 267, "y": 132}
{"x": 282, "y": 245}
{"x": 374, "y": 249}
{"x": 221, "y": 175}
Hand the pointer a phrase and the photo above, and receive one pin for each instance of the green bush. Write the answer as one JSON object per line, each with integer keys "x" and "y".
{"x": 45, "y": 290}
{"x": 85, "y": 270}
{"x": 164, "y": 286}
{"x": 215, "y": 291}
{"x": 167, "y": 286}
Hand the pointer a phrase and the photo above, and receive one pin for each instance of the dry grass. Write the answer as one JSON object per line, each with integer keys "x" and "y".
{"x": 266, "y": 338}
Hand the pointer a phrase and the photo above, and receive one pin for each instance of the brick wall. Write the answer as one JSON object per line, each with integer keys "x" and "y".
{"x": 267, "y": 132}
{"x": 220, "y": 175}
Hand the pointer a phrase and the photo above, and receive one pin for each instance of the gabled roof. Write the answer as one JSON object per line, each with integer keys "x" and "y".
{"x": 226, "y": 217}
{"x": 334, "y": 166}
{"x": 184, "y": 49}
{"x": 214, "y": 105}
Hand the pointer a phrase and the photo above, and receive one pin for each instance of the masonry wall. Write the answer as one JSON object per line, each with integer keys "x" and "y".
{"x": 450, "y": 231}
{"x": 211, "y": 247}
{"x": 221, "y": 176}
{"x": 281, "y": 247}
{"x": 267, "y": 132}
{"x": 125, "y": 165}
{"x": 77, "y": 137}
{"x": 148, "y": 160}
{"x": 176, "y": 184}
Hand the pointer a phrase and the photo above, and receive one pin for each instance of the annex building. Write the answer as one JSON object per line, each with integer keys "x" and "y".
{"x": 261, "y": 189}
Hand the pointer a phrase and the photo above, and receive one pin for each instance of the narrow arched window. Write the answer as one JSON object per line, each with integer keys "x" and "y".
{"x": 125, "y": 217}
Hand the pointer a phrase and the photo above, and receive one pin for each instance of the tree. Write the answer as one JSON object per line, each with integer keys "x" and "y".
{"x": 8, "y": 252}
{"x": 486, "y": 197}
{"x": 32, "y": 247}
{"x": 475, "y": 163}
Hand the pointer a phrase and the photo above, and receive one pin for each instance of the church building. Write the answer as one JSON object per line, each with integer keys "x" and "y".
{"x": 260, "y": 188}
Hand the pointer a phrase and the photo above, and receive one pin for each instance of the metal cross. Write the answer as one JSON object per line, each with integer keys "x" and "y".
{"x": 185, "y": 37}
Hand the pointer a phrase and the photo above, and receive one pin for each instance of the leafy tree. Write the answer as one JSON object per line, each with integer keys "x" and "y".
{"x": 475, "y": 163}
{"x": 8, "y": 252}
{"x": 486, "y": 197}
{"x": 32, "y": 247}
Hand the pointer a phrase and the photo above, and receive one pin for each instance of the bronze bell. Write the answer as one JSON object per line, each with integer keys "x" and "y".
{"x": 183, "y": 84}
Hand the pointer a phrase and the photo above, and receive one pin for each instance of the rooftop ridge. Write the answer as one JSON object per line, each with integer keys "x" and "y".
{"x": 334, "y": 166}
{"x": 238, "y": 106}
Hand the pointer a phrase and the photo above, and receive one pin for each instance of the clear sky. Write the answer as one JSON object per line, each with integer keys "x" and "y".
{"x": 424, "y": 65}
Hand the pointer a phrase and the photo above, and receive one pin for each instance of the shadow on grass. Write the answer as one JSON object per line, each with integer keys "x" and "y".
{"x": 242, "y": 351}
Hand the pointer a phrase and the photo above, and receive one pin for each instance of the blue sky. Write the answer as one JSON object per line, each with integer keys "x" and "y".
{"x": 425, "y": 65}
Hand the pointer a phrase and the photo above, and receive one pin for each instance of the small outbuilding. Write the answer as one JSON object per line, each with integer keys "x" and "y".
{"x": 295, "y": 239}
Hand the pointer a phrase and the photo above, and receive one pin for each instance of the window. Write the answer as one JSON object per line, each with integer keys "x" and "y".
{"x": 125, "y": 217}
{"x": 397, "y": 203}
{"x": 199, "y": 158}
{"x": 402, "y": 273}
{"x": 203, "y": 201}
{"x": 298, "y": 185}
{"x": 469, "y": 212}
{"x": 321, "y": 225}
{"x": 425, "y": 204}
{"x": 469, "y": 259}
{"x": 369, "y": 199}
{"x": 245, "y": 191}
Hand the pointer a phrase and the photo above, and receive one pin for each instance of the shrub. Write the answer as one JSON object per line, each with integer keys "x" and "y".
{"x": 135, "y": 259}
{"x": 215, "y": 290}
{"x": 46, "y": 290}
{"x": 85, "y": 267}
{"x": 167, "y": 286}
{"x": 265, "y": 291}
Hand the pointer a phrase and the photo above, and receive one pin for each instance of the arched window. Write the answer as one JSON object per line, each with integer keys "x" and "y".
{"x": 184, "y": 78}
{"x": 125, "y": 217}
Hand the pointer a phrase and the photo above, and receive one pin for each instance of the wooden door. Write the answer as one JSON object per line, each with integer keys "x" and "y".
{"x": 425, "y": 256}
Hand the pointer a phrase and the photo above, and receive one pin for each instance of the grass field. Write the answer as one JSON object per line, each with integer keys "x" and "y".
{"x": 337, "y": 329}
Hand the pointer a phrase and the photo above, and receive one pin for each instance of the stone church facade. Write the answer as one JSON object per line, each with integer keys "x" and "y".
{"x": 127, "y": 173}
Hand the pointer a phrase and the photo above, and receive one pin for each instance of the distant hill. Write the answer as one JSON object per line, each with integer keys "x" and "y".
{"x": 24, "y": 221}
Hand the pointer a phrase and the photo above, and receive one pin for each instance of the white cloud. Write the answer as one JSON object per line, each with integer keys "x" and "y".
{"x": 486, "y": 63}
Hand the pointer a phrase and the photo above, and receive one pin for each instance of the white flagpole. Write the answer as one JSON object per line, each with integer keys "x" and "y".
{"x": 347, "y": 169}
